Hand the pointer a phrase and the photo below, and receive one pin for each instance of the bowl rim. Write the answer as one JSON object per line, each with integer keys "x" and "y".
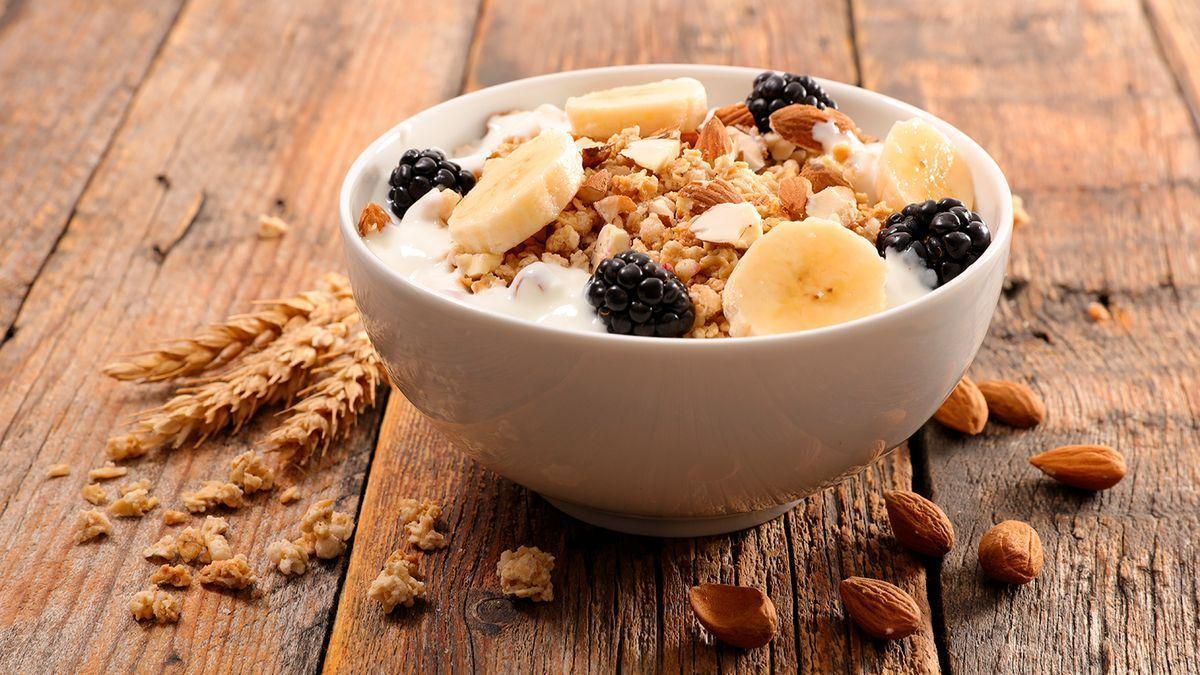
{"x": 988, "y": 170}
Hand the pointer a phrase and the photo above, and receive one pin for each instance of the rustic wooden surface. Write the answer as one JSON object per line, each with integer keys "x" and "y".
{"x": 108, "y": 144}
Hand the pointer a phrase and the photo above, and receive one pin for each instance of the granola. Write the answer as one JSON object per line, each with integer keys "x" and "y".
{"x": 525, "y": 573}
{"x": 173, "y": 517}
{"x": 155, "y": 605}
{"x": 172, "y": 575}
{"x": 91, "y": 524}
{"x": 204, "y": 544}
{"x": 58, "y": 470}
{"x": 107, "y": 472}
{"x": 163, "y": 549}
{"x": 323, "y": 531}
{"x": 232, "y": 573}
{"x": 289, "y": 495}
{"x": 419, "y": 519}
{"x": 289, "y": 558}
{"x": 398, "y": 583}
{"x": 133, "y": 504}
{"x": 249, "y": 472}
{"x": 213, "y": 493}
{"x": 95, "y": 494}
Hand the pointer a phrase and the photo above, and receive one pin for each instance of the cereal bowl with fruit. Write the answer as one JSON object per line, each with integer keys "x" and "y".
{"x": 676, "y": 299}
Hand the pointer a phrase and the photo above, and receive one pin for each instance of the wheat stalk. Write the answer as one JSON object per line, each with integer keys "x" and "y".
{"x": 277, "y": 372}
{"x": 222, "y": 343}
{"x": 327, "y": 410}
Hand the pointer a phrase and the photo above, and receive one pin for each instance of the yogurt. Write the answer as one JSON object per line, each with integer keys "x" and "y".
{"x": 519, "y": 124}
{"x": 907, "y": 278}
{"x": 861, "y": 165}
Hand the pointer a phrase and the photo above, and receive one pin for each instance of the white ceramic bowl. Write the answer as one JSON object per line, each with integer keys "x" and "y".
{"x": 657, "y": 436}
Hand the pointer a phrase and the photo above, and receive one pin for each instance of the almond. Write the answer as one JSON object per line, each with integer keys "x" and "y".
{"x": 793, "y": 194}
{"x": 821, "y": 175}
{"x": 595, "y": 155}
{"x": 736, "y": 115}
{"x": 713, "y": 141}
{"x": 594, "y": 187}
{"x": 965, "y": 409}
{"x": 373, "y": 219}
{"x": 879, "y": 608}
{"x": 919, "y": 524}
{"x": 1011, "y": 552}
{"x": 1089, "y": 467}
{"x": 741, "y": 616}
{"x": 1013, "y": 403}
{"x": 795, "y": 123}
{"x": 706, "y": 194}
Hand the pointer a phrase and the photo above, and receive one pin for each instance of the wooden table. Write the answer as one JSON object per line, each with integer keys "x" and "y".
{"x": 118, "y": 118}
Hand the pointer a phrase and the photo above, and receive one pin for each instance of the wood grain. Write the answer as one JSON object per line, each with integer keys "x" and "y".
{"x": 620, "y": 601}
{"x": 1078, "y": 106}
{"x": 260, "y": 107}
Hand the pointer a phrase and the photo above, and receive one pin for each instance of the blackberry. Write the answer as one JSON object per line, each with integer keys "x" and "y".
{"x": 634, "y": 295}
{"x": 946, "y": 235}
{"x": 773, "y": 91}
{"x": 418, "y": 172}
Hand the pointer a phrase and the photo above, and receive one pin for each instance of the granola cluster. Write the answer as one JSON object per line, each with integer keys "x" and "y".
{"x": 525, "y": 573}
{"x": 419, "y": 519}
{"x": 398, "y": 583}
{"x": 155, "y": 605}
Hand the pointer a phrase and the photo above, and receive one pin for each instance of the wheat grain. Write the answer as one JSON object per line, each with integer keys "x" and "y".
{"x": 228, "y": 400}
{"x": 327, "y": 410}
{"x": 222, "y": 343}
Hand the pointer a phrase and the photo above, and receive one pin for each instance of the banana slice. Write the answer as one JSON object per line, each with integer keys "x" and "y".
{"x": 917, "y": 163}
{"x": 803, "y": 275}
{"x": 652, "y": 107}
{"x": 518, "y": 194}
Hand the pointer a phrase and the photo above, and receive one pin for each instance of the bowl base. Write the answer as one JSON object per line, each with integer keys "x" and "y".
{"x": 670, "y": 527}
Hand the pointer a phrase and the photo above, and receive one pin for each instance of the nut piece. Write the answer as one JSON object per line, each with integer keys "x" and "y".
{"x": 713, "y": 141}
{"x": 795, "y": 123}
{"x": 742, "y": 616}
{"x": 965, "y": 409}
{"x": 705, "y": 194}
{"x": 595, "y": 155}
{"x": 594, "y": 187}
{"x": 1011, "y": 552}
{"x": 919, "y": 524}
{"x": 373, "y": 219}
{"x": 613, "y": 239}
{"x": 735, "y": 115}
{"x": 525, "y": 573}
{"x": 793, "y": 193}
{"x": 1088, "y": 467}
{"x": 821, "y": 175}
{"x": 880, "y": 609}
{"x": 1013, "y": 403}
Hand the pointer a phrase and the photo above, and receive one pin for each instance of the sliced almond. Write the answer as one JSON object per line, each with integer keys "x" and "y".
{"x": 737, "y": 224}
{"x": 1013, "y": 403}
{"x": 594, "y": 187}
{"x": 793, "y": 193}
{"x": 822, "y": 175}
{"x": 741, "y": 616}
{"x": 836, "y": 203}
{"x": 705, "y": 194}
{"x": 714, "y": 141}
{"x": 613, "y": 239}
{"x": 880, "y": 609}
{"x": 653, "y": 153}
{"x": 965, "y": 409}
{"x": 1088, "y": 467}
{"x": 611, "y": 207}
{"x": 736, "y": 115}
{"x": 919, "y": 524}
{"x": 1011, "y": 552}
{"x": 795, "y": 123}
{"x": 373, "y": 219}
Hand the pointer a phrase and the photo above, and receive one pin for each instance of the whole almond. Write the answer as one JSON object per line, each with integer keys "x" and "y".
{"x": 736, "y": 115}
{"x": 1011, "y": 552}
{"x": 713, "y": 141}
{"x": 965, "y": 409}
{"x": 793, "y": 195}
{"x": 741, "y": 616}
{"x": 919, "y": 524}
{"x": 795, "y": 123}
{"x": 821, "y": 175}
{"x": 1013, "y": 403}
{"x": 879, "y": 608}
{"x": 1089, "y": 467}
{"x": 706, "y": 194}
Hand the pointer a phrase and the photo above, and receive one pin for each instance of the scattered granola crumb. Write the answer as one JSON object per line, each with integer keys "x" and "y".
{"x": 249, "y": 472}
{"x": 292, "y": 494}
{"x": 95, "y": 493}
{"x": 156, "y": 605}
{"x": 163, "y": 549}
{"x": 143, "y": 484}
{"x": 205, "y": 544}
{"x": 373, "y": 219}
{"x": 133, "y": 504}
{"x": 398, "y": 582}
{"x": 213, "y": 493}
{"x": 191, "y": 547}
{"x": 525, "y": 573}
{"x": 58, "y": 471}
{"x": 1098, "y": 313}
{"x": 233, "y": 573}
{"x": 271, "y": 227}
{"x": 1021, "y": 217}
{"x": 91, "y": 524}
{"x": 173, "y": 517}
{"x": 107, "y": 472}
{"x": 289, "y": 558}
{"x": 419, "y": 519}
{"x": 172, "y": 575}
{"x": 324, "y": 531}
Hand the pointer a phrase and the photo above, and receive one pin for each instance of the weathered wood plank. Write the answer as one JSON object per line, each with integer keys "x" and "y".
{"x": 1176, "y": 25}
{"x": 63, "y": 100}
{"x": 1077, "y": 105}
{"x": 620, "y": 601}
{"x": 260, "y": 107}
